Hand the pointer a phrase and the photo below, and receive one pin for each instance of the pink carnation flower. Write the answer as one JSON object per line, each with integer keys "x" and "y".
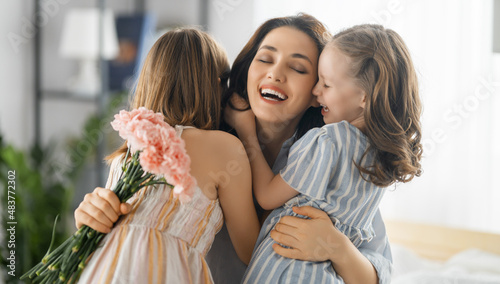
{"x": 162, "y": 151}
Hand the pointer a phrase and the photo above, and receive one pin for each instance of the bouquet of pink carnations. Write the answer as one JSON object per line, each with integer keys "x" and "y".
{"x": 155, "y": 155}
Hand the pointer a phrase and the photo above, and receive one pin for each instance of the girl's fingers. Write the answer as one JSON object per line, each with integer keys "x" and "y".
{"x": 238, "y": 102}
{"x": 100, "y": 208}
{"x": 82, "y": 218}
{"x": 125, "y": 208}
{"x": 110, "y": 197}
{"x": 98, "y": 215}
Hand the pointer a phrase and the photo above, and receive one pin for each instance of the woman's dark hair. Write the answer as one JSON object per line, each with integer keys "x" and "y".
{"x": 239, "y": 71}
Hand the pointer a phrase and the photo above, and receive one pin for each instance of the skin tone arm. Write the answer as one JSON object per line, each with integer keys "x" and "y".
{"x": 270, "y": 190}
{"x": 235, "y": 195}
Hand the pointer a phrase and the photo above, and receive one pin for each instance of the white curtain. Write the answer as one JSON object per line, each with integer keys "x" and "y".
{"x": 451, "y": 45}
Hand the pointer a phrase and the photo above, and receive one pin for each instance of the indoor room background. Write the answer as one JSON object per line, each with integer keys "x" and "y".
{"x": 454, "y": 45}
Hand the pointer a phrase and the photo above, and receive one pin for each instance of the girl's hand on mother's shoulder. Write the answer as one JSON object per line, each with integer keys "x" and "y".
{"x": 241, "y": 117}
{"x": 315, "y": 239}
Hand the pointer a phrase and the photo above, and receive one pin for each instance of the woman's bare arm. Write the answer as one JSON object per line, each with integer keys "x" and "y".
{"x": 235, "y": 195}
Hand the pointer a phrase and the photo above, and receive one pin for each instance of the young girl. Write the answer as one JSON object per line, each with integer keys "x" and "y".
{"x": 368, "y": 92}
{"x": 160, "y": 240}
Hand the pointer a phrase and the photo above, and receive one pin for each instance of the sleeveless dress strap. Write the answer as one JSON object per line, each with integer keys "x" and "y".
{"x": 180, "y": 128}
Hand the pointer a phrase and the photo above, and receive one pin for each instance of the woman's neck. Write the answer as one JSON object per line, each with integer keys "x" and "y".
{"x": 271, "y": 137}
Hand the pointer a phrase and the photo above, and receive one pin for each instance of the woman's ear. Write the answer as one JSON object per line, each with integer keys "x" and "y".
{"x": 218, "y": 79}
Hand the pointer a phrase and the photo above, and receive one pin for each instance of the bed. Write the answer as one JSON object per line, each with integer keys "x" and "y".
{"x": 432, "y": 254}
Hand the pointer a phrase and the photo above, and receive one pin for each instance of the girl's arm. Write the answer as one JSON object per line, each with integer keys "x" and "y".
{"x": 317, "y": 239}
{"x": 270, "y": 190}
{"x": 235, "y": 196}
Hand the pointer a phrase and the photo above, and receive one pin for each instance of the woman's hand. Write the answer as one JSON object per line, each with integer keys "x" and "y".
{"x": 100, "y": 210}
{"x": 242, "y": 121}
{"x": 315, "y": 239}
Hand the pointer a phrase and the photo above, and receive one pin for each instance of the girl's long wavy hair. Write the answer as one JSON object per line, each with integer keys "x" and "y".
{"x": 184, "y": 76}
{"x": 382, "y": 67}
{"x": 239, "y": 71}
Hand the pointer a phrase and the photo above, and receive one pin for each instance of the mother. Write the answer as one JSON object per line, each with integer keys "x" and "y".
{"x": 284, "y": 52}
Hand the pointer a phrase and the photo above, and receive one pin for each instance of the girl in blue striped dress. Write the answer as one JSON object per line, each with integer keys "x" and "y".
{"x": 368, "y": 92}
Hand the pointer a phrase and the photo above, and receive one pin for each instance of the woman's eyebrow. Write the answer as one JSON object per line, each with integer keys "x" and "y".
{"x": 268, "y": 47}
{"x": 295, "y": 55}
{"x": 299, "y": 55}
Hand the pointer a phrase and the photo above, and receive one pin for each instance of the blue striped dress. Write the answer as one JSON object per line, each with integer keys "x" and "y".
{"x": 321, "y": 168}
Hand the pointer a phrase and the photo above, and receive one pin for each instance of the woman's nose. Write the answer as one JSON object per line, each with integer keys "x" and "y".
{"x": 276, "y": 74}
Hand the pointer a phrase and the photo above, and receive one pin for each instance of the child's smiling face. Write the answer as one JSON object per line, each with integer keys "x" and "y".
{"x": 336, "y": 90}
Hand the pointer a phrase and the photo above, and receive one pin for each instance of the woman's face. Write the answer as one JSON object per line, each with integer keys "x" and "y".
{"x": 282, "y": 75}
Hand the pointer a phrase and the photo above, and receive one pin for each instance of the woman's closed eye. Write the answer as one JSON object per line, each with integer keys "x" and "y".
{"x": 264, "y": 59}
{"x": 299, "y": 69}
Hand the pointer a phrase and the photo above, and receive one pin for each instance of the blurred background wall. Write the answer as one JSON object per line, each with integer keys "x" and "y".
{"x": 451, "y": 43}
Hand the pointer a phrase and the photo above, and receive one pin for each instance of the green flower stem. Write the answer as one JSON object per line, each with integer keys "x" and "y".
{"x": 145, "y": 178}
{"x": 69, "y": 273}
{"x": 74, "y": 279}
{"x": 77, "y": 257}
{"x": 46, "y": 266}
{"x": 54, "y": 253}
{"x": 31, "y": 273}
{"x": 68, "y": 249}
{"x": 51, "y": 278}
{"x": 49, "y": 258}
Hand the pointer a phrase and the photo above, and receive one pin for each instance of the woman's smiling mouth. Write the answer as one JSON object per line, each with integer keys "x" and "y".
{"x": 272, "y": 93}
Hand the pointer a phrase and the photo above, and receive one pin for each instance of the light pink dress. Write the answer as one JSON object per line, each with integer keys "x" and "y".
{"x": 159, "y": 241}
